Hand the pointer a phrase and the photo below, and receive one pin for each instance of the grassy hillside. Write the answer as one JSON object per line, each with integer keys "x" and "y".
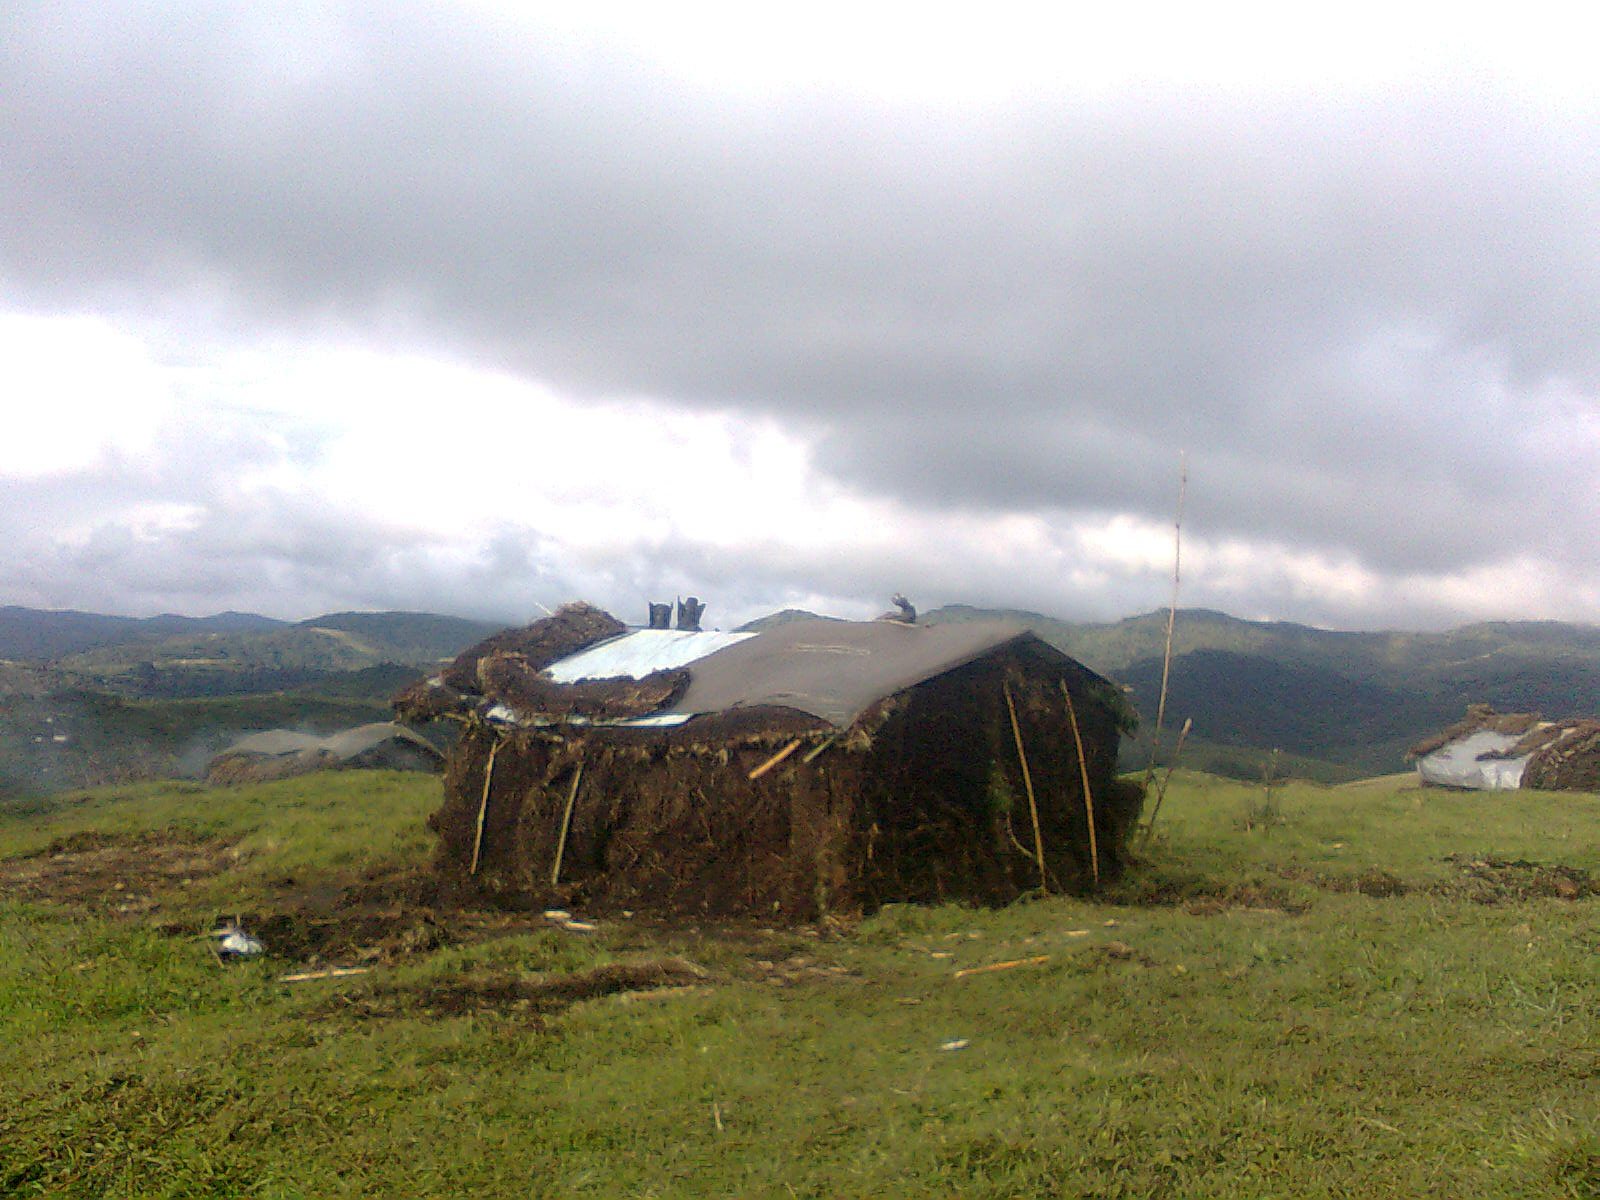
{"x": 1376, "y": 993}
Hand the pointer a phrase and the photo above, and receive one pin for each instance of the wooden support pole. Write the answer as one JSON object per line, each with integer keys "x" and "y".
{"x": 1027, "y": 783}
{"x": 775, "y": 759}
{"x": 1088, "y": 795}
{"x": 483, "y": 806}
{"x": 566, "y": 823}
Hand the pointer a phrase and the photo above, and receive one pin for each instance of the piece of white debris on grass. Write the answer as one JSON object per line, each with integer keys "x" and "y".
{"x": 957, "y": 1044}
{"x": 236, "y": 943}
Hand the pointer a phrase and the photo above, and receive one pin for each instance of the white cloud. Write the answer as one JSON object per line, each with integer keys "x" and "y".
{"x": 483, "y": 307}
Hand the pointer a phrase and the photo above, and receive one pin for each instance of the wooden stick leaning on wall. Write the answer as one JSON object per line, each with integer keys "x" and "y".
{"x": 566, "y": 823}
{"x": 1027, "y": 783}
{"x": 483, "y": 806}
{"x": 1172, "y": 619}
{"x": 1088, "y": 795}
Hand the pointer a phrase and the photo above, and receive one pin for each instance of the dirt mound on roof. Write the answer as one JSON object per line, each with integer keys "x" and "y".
{"x": 1479, "y": 718}
{"x": 1568, "y": 761}
{"x": 570, "y": 629}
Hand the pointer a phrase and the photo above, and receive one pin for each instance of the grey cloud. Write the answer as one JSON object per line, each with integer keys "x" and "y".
{"x": 1348, "y": 310}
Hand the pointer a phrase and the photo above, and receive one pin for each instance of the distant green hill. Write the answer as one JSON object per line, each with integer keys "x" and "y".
{"x": 1342, "y": 703}
{"x": 40, "y": 635}
{"x": 213, "y": 663}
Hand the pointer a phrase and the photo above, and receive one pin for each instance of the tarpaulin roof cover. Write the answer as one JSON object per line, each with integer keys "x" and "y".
{"x": 1459, "y": 763}
{"x": 343, "y": 745}
{"x": 352, "y": 742}
{"x": 637, "y": 654}
{"x": 276, "y": 741}
{"x": 836, "y": 669}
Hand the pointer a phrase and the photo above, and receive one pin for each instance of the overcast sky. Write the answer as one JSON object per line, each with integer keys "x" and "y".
{"x": 477, "y": 308}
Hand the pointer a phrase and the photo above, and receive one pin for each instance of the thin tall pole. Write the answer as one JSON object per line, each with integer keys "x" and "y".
{"x": 1172, "y": 617}
{"x": 1027, "y": 783}
{"x": 1088, "y": 795}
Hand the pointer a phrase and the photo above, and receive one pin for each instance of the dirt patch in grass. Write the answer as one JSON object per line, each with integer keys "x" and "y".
{"x": 1482, "y": 880}
{"x": 127, "y": 875}
{"x": 1502, "y": 881}
{"x": 1208, "y": 897}
{"x": 529, "y": 998}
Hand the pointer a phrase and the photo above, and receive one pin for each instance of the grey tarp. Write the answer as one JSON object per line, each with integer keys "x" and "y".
{"x": 275, "y": 742}
{"x": 836, "y": 669}
{"x": 348, "y": 744}
{"x": 352, "y": 743}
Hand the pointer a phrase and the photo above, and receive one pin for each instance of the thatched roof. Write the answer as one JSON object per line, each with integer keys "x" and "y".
{"x": 1480, "y": 718}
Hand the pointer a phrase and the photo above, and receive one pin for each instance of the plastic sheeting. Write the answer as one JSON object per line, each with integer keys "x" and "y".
{"x": 1461, "y": 765}
{"x": 637, "y": 654}
{"x": 837, "y": 669}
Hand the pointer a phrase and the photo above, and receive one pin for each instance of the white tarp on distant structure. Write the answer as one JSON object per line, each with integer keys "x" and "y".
{"x": 1460, "y": 764}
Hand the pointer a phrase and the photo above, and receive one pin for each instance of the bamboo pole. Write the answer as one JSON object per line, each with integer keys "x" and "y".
{"x": 1150, "y": 826}
{"x": 1010, "y": 965}
{"x": 566, "y": 823}
{"x": 1027, "y": 783}
{"x": 1172, "y": 617}
{"x": 775, "y": 759}
{"x": 483, "y": 806}
{"x": 819, "y": 748}
{"x": 1088, "y": 795}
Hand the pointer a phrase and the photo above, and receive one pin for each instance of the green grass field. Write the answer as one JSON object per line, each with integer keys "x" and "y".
{"x": 1375, "y": 992}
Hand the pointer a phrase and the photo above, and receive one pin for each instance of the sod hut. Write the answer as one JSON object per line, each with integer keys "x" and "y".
{"x": 1492, "y": 751}
{"x": 281, "y": 753}
{"x": 813, "y": 767}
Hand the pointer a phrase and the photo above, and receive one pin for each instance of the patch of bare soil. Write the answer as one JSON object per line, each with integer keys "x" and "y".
{"x": 1483, "y": 880}
{"x": 128, "y": 875}
{"x": 524, "y": 997}
{"x": 1500, "y": 881}
{"x": 1374, "y": 882}
{"x": 383, "y": 918}
{"x": 1210, "y": 897}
